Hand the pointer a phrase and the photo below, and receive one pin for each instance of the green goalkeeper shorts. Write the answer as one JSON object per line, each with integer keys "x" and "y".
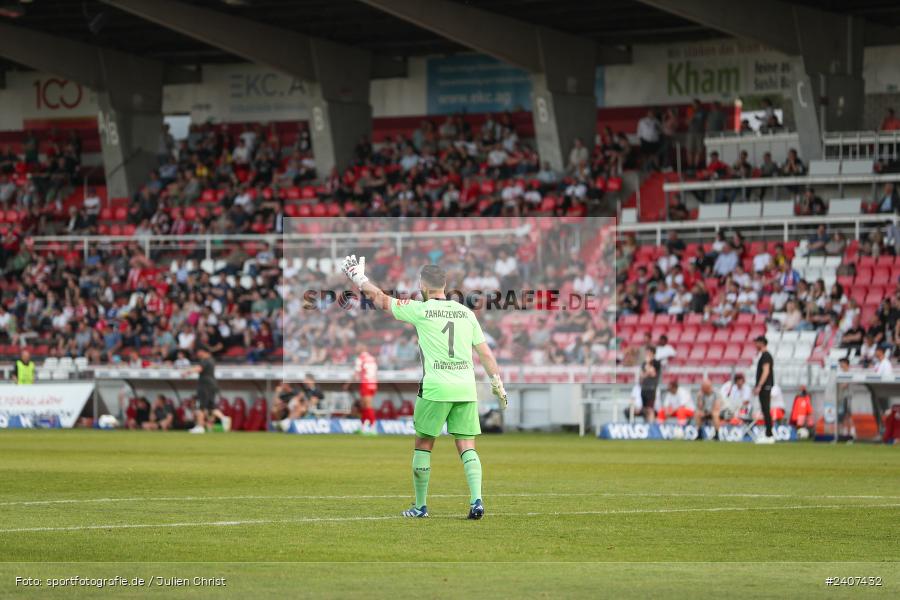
{"x": 461, "y": 418}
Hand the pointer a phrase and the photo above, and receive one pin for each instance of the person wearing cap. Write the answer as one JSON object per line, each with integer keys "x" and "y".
{"x": 765, "y": 380}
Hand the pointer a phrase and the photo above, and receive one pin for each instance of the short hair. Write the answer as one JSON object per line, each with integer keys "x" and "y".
{"x": 762, "y": 340}
{"x": 433, "y": 277}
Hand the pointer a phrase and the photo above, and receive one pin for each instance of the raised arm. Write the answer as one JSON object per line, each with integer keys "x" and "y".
{"x": 486, "y": 356}
{"x": 355, "y": 270}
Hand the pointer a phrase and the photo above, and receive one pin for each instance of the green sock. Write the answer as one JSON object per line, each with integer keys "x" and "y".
{"x": 421, "y": 474}
{"x": 472, "y": 466}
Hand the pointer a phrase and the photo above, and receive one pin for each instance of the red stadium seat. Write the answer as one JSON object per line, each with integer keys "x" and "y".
{"x": 698, "y": 353}
{"x": 238, "y": 414}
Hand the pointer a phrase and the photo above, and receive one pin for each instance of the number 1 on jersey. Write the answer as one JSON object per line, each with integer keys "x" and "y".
{"x": 449, "y": 327}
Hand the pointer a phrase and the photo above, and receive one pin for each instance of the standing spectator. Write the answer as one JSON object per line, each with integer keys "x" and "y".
{"x": 890, "y": 121}
{"x": 649, "y": 130}
{"x": 845, "y": 401}
{"x": 667, "y": 139}
{"x": 651, "y": 371}
{"x": 801, "y": 411}
{"x": 664, "y": 350}
{"x": 578, "y": 155}
{"x": 765, "y": 379}
{"x": 24, "y": 373}
{"x": 695, "y": 133}
{"x": 715, "y": 120}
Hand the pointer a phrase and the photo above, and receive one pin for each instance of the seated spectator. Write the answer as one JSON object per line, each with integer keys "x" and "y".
{"x": 742, "y": 167}
{"x": 141, "y": 414}
{"x": 788, "y": 278}
{"x": 661, "y": 299}
{"x": 867, "y": 354}
{"x": 811, "y": 204}
{"x": 882, "y": 364}
{"x": 678, "y": 210}
{"x": 677, "y": 403}
{"x": 708, "y": 407}
{"x": 717, "y": 168}
{"x": 836, "y": 244}
{"x": 794, "y": 319}
{"x": 888, "y": 201}
{"x": 818, "y": 240}
{"x": 793, "y": 166}
{"x": 726, "y": 261}
{"x": 162, "y": 416}
{"x": 737, "y": 397}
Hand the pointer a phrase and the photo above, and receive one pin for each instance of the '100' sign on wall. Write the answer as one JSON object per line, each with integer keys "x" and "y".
{"x": 59, "y": 97}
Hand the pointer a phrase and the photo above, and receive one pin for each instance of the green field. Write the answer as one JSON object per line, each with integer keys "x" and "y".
{"x": 317, "y": 516}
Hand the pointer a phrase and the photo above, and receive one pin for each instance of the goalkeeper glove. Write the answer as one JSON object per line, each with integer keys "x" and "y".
{"x": 498, "y": 390}
{"x": 355, "y": 270}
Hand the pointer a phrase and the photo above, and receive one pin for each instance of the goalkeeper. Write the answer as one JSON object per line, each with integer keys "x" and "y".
{"x": 447, "y": 333}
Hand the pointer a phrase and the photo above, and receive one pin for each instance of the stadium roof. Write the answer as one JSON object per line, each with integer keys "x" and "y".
{"x": 609, "y": 22}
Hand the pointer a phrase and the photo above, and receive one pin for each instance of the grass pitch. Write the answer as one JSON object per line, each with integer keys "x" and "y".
{"x": 317, "y": 516}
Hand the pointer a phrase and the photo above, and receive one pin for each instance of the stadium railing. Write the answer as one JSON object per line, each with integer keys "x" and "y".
{"x": 862, "y": 144}
{"x": 783, "y": 228}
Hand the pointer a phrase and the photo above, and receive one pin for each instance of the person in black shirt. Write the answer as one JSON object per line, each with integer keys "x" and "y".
{"x": 207, "y": 392}
{"x": 651, "y": 371}
{"x": 765, "y": 379}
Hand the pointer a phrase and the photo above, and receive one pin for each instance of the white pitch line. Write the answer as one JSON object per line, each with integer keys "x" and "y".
{"x": 207, "y": 498}
{"x": 235, "y": 523}
{"x": 401, "y": 496}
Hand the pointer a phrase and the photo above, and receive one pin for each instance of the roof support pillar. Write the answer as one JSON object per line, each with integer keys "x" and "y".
{"x": 129, "y": 91}
{"x": 340, "y": 112}
{"x": 562, "y": 66}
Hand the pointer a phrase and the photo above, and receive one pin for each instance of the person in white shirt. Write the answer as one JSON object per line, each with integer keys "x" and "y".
{"x": 777, "y": 406}
{"x": 241, "y": 153}
{"x": 92, "y": 204}
{"x": 736, "y": 396}
{"x": 505, "y": 265}
{"x": 677, "y": 402}
{"x": 883, "y": 367}
{"x": 664, "y": 350}
{"x": 648, "y": 132}
{"x": 584, "y": 284}
{"x": 761, "y": 262}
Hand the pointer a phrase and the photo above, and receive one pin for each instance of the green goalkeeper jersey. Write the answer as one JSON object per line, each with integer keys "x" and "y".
{"x": 447, "y": 331}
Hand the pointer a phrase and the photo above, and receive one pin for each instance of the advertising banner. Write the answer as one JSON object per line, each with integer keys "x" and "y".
{"x": 350, "y": 426}
{"x": 240, "y": 92}
{"x": 42, "y": 404}
{"x": 667, "y": 431}
{"x": 713, "y": 70}
{"x": 475, "y": 83}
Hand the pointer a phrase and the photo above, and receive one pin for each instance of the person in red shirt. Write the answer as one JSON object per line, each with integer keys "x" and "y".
{"x": 890, "y": 122}
{"x": 366, "y": 373}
